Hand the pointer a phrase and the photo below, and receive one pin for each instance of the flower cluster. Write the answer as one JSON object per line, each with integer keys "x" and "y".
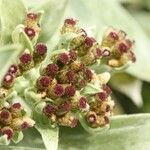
{"x": 13, "y": 119}
{"x": 64, "y": 80}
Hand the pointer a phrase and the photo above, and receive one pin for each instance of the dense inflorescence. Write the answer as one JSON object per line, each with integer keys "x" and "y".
{"x": 67, "y": 85}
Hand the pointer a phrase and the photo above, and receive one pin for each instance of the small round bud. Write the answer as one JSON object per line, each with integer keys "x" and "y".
{"x": 49, "y": 109}
{"x": 70, "y": 91}
{"x": 5, "y": 116}
{"x": 71, "y": 76}
{"x": 122, "y": 48}
{"x": 74, "y": 122}
{"x": 16, "y": 106}
{"x": 43, "y": 82}
{"x": 32, "y": 16}
{"x": 40, "y": 49}
{"x": 51, "y": 70}
{"x": 63, "y": 58}
{"x": 73, "y": 54}
{"x": 26, "y": 58}
{"x": 8, "y": 80}
{"x": 70, "y": 21}
{"x": 82, "y": 103}
{"x": 91, "y": 118}
{"x": 101, "y": 96}
{"x": 7, "y": 131}
{"x": 30, "y": 32}
{"x": 89, "y": 41}
{"x": 107, "y": 89}
{"x": 58, "y": 90}
{"x": 106, "y": 53}
{"x": 13, "y": 69}
{"x": 24, "y": 125}
{"x": 88, "y": 74}
{"x": 114, "y": 36}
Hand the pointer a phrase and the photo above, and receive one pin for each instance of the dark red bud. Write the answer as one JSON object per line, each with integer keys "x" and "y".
{"x": 32, "y": 16}
{"x": 16, "y": 106}
{"x": 64, "y": 58}
{"x": 82, "y": 102}
{"x": 70, "y": 91}
{"x": 13, "y": 69}
{"x": 51, "y": 70}
{"x": 89, "y": 41}
{"x": 30, "y": 32}
{"x": 41, "y": 49}
{"x": 114, "y": 35}
{"x": 70, "y": 21}
{"x": 26, "y": 58}
{"x": 7, "y": 131}
{"x": 59, "y": 90}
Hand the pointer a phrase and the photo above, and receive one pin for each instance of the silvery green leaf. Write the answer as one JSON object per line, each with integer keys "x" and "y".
{"x": 50, "y": 137}
{"x": 8, "y": 55}
{"x": 19, "y": 36}
{"x": 90, "y": 89}
{"x": 54, "y": 10}
{"x": 4, "y": 140}
{"x": 129, "y": 86}
{"x": 12, "y": 13}
{"x": 127, "y": 132}
{"x": 17, "y": 137}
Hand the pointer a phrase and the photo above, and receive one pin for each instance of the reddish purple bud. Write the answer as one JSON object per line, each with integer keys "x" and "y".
{"x": 52, "y": 69}
{"x": 82, "y": 102}
{"x": 8, "y": 80}
{"x": 64, "y": 58}
{"x": 66, "y": 106}
{"x": 98, "y": 53}
{"x": 59, "y": 90}
{"x": 74, "y": 123}
{"x": 70, "y": 21}
{"x": 107, "y": 89}
{"x": 102, "y": 96}
{"x": 30, "y": 32}
{"x": 26, "y": 58}
{"x": 43, "y": 82}
{"x": 49, "y": 109}
{"x": 91, "y": 118}
{"x": 16, "y": 106}
{"x": 73, "y": 54}
{"x": 88, "y": 74}
{"x": 7, "y": 131}
{"x": 13, "y": 69}
{"x": 123, "y": 48}
{"x": 82, "y": 83}
{"x": 106, "y": 53}
{"x": 5, "y": 114}
{"x": 70, "y": 91}
{"x": 114, "y": 36}
{"x": 89, "y": 41}
{"x": 71, "y": 76}
{"x": 41, "y": 48}
{"x": 24, "y": 125}
{"x": 32, "y": 16}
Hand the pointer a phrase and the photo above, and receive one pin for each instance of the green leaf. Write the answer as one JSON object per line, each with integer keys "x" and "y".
{"x": 12, "y": 13}
{"x": 8, "y": 55}
{"x": 50, "y": 137}
{"x": 127, "y": 132}
{"x": 129, "y": 86}
{"x": 52, "y": 17}
{"x": 90, "y": 89}
{"x": 18, "y": 136}
{"x": 19, "y": 36}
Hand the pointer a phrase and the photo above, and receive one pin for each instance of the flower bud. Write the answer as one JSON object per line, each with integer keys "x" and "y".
{"x": 13, "y": 69}
{"x": 63, "y": 59}
{"x": 8, "y": 80}
{"x": 5, "y": 116}
{"x": 51, "y": 70}
{"x": 30, "y": 32}
{"x": 16, "y": 110}
{"x": 70, "y": 91}
{"x": 26, "y": 62}
{"x": 43, "y": 82}
{"x": 56, "y": 91}
{"x": 49, "y": 109}
{"x": 40, "y": 52}
{"x": 91, "y": 118}
{"x": 7, "y": 131}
